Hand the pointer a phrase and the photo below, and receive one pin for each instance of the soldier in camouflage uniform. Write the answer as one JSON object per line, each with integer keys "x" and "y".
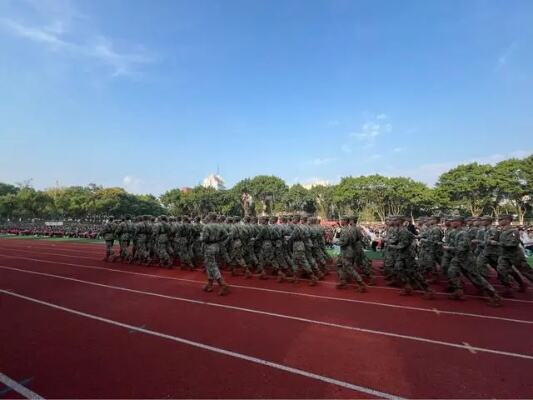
{"x": 108, "y": 233}
{"x": 152, "y": 241}
{"x": 212, "y": 237}
{"x": 317, "y": 237}
{"x": 346, "y": 262}
{"x": 133, "y": 235}
{"x": 160, "y": 232}
{"x": 511, "y": 256}
{"x": 447, "y": 255}
{"x": 462, "y": 264}
{"x": 267, "y": 256}
{"x": 391, "y": 238}
{"x": 223, "y": 231}
{"x": 286, "y": 231}
{"x": 299, "y": 257}
{"x": 360, "y": 241}
{"x": 405, "y": 265}
{"x": 304, "y": 222}
{"x": 236, "y": 248}
{"x": 277, "y": 232}
{"x": 430, "y": 248}
{"x": 488, "y": 253}
{"x": 183, "y": 234}
{"x": 195, "y": 249}
{"x": 141, "y": 238}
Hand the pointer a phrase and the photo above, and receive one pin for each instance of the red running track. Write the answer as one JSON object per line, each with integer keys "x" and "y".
{"x": 71, "y": 355}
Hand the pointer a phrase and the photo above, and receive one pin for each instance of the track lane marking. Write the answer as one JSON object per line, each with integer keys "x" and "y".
{"x": 17, "y": 387}
{"x": 223, "y": 272}
{"x": 366, "y": 302}
{"x": 277, "y": 315}
{"x": 219, "y": 350}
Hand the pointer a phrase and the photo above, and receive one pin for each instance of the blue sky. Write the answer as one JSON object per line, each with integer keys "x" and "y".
{"x": 155, "y": 95}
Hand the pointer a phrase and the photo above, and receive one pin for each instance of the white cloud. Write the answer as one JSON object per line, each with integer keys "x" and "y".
{"x": 373, "y": 128}
{"x": 323, "y": 161}
{"x": 503, "y": 58}
{"x": 51, "y": 26}
{"x": 398, "y": 149}
{"x": 132, "y": 184}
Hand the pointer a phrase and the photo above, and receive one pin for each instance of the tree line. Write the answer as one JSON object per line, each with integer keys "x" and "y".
{"x": 469, "y": 189}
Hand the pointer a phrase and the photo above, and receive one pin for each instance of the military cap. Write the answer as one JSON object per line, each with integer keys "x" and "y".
{"x": 296, "y": 217}
{"x": 283, "y": 218}
{"x": 304, "y": 218}
{"x": 237, "y": 219}
{"x": 197, "y": 218}
{"x": 486, "y": 218}
{"x": 345, "y": 218}
{"x": 172, "y": 219}
{"x": 457, "y": 218}
{"x": 253, "y": 219}
{"x": 163, "y": 218}
{"x": 273, "y": 219}
{"x": 111, "y": 218}
{"x": 247, "y": 218}
{"x": 505, "y": 216}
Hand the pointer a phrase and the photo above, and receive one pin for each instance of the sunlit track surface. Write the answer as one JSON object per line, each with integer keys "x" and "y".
{"x": 80, "y": 327}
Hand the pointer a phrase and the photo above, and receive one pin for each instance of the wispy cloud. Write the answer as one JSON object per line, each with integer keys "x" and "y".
{"x": 323, "y": 161}
{"x": 503, "y": 58}
{"x": 369, "y": 131}
{"x": 54, "y": 32}
{"x": 398, "y": 149}
{"x": 132, "y": 184}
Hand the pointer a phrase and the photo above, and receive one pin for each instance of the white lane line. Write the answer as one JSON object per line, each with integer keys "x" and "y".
{"x": 260, "y": 361}
{"x": 226, "y": 273}
{"x": 277, "y": 315}
{"x": 469, "y": 348}
{"x": 17, "y": 387}
{"x": 366, "y": 302}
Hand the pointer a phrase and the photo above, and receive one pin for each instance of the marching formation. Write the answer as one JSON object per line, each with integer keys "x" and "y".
{"x": 293, "y": 247}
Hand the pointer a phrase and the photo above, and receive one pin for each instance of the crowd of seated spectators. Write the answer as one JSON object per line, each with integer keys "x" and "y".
{"x": 70, "y": 229}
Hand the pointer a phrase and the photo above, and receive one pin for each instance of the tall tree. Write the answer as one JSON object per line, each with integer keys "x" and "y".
{"x": 469, "y": 187}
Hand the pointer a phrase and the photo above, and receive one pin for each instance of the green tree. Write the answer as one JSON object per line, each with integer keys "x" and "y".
{"x": 514, "y": 185}
{"x": 267, "y": 192}
{"x": 468, "y": 187}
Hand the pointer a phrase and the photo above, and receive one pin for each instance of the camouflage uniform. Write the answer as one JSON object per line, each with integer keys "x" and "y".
{"x": 161, "y": 231}
{"x": 299, "y": 257}
{"x": 391, "y": 238}
{"x": 108, "y": 233}
{"x": 236, "y": 248}
{"x": 488, "y": 252}
{"x": 462, "y": 263}
{"x": 447, "y": 254}
{"x": 512, "y": 256}
{"x": 266, "y": 253}
{"x": 405, "y": 266}
{"x": 361, "y": 260}
{"x": 212, "y": 236}
{"x": 346, "y": 261}
{"x": 141, "y": 237}
{"x": 183, "y": 235}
